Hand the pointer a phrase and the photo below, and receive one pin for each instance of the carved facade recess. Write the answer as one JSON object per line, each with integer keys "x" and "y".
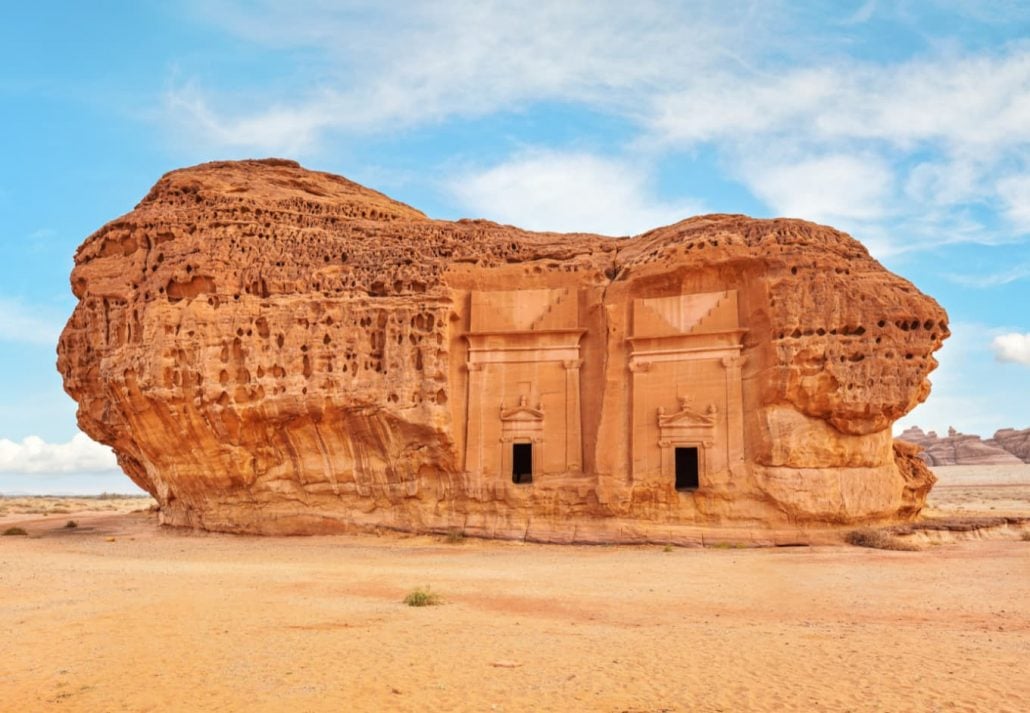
{"x": 684, "y": 353}
{"x": 523, "y": 348}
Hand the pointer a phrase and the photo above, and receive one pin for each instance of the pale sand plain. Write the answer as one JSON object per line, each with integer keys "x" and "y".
{"x": 119, "y": 614}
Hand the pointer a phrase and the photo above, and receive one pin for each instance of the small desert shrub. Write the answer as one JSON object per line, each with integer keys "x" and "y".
{"x": 71, "y": 524}
{"x": 1025, "y": 537}
{"x": 726, "y": 545}
{"x": 422, "y": 597}
{"x": 667, "y": 548}
{"x": 878, "y": 540}
{"x": 14, "y": 531}
{"x": 455, "y": 537}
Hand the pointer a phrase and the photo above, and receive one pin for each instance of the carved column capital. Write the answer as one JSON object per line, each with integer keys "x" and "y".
{"x": 636, "y": 366}
{"x": 572, "y": 364}
{"x": 474, "y": 366}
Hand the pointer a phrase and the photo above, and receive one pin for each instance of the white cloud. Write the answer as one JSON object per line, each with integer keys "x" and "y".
{"x": 1015, "y": 195}
{"x": 568, "y": 192}
{"x": 973, "y": 101}
{"x": 915, "y": 143}
{"x": 36, "y": 456}
{"x": 862, "y": 14}
{"x": 19, "y": 323}
{"x": 835, "y": 188}
{"x": 995, "y": 279}
{"x": 689, "y": 74}
{"x": 951, "y": 180}
{"x": 389, "y": 65}
{"x": 1013, "y": 347}
{"x": 274, "y": 130}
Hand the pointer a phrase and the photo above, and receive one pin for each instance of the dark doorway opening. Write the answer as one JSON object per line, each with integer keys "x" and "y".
{"x": 686, "y": 469}
{"x": 522, "y": 463}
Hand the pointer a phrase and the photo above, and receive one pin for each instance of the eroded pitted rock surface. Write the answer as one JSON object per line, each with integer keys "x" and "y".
{"x": 270, "y": 349}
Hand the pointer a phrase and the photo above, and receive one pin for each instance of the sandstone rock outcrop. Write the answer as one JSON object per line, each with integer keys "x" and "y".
{"x": 274, "y": 350}
{"x": 1014, "y": 441}
{"x": 966, "y": 449}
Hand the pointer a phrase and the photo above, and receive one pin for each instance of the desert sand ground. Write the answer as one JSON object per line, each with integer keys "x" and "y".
{"x": 118, "y": 614}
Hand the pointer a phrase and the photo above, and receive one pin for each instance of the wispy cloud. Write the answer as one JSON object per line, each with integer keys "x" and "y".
{"x": 280, "y": 130}
{"x": 1014, "y": 192}
{"x": 827, "y": 188}
{"x": 1013, "y": 347}
{"x": 568, "y": 192}
{"x": 995, "y": 279}
{"x": 20, "y": 323}
{"x": 33, "y": 455}
{"x": 915, "y": 143}
{"x": 390, "y": 65}
{"x": 862, "y": 14}
{"x": 940, "y": 128}
{"x": 975, "y": 101}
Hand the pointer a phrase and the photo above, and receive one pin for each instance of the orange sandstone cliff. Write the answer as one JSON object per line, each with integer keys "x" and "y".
{"x": 269, "y": 349}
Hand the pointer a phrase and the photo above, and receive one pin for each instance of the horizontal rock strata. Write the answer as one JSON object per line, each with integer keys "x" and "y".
{"x": 1007, "y": 447}
{"x": 274, "y": 350}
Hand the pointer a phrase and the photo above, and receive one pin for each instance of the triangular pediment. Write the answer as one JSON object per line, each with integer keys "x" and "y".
{"x": 523, "y": 310}
{"x": 687, "y": 417}
{"x": 685, "y": 314}
{"x": 522, "y": 413}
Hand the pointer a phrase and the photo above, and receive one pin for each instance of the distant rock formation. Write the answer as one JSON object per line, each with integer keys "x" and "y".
{"x": 1008, "y": 447}
{"x": 1015, "y": 442}
{"x": 275, "y": 350}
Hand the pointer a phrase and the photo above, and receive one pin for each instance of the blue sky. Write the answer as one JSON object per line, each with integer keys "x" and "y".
{"x": 906, "y": 124}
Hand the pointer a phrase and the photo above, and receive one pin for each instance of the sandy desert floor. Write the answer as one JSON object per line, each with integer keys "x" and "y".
{"x": 981, "y": 489}
{"x": 118, "y": 614}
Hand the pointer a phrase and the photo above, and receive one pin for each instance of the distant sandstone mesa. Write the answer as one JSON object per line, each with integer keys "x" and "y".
{"x": 1007, "y": 447}
{"x": 274, "y": 350}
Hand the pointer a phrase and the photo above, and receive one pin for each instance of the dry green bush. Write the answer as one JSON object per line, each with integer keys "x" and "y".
{"x": 10, "y": 531}
{"x": 422, "y": 597}
{"x": 878, "y": 540}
